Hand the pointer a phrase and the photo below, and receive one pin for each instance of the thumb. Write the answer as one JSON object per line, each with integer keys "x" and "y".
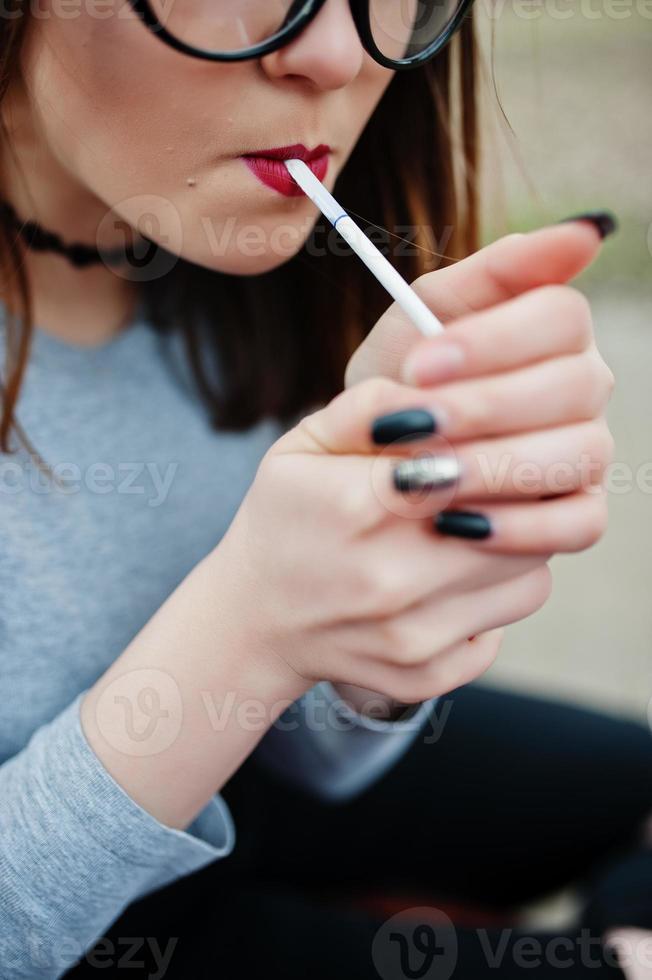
{"x": 345, "y": 425}
{"x": 500, "y": 271}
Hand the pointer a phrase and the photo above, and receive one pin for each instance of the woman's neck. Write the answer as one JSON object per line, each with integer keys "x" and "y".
{"x": 79, "y": 306}
{"x": 85, "y": 306}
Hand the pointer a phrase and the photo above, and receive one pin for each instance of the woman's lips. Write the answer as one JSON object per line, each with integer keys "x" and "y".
{"x": 268, "y": 166}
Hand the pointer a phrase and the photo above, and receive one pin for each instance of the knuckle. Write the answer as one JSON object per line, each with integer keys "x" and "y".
{"x": 597, "y": 450}
{"x": 373, "y": 396}
{"x": 449, "y": 671}
{"x": 426, "y": 285}
{"x": 413, "y": 653}
{"x": 601, "y": 378}
{"x": 277, "y": 474}
{"x": 530, "y": 593}
{"x": 441, "y": 677}
{"x": 403, "y": 643}
{"x": 487, "y": 657}
{"x": 595, "y": 521}
{"x": 421, "y": 280}
{"x": 357, "y": 506}
{"x": 573, "y": 531}
{"x": 362, "y": 583}
{"x": 603, "y": 443}
{"x": 392, "y": 589}
{"x": 548, "y": 530}
{"x": 484, "y": 661}
{"x": 539, "y": 587}
{"x": 390, "y": 640}
{"x": 473, "y": 666}
{"x": 494, "y": 642}
{"x": 383, "y": 593}
{"x": 481, "y": 404}
{"x": 572, "y": 306}
{"x": 352, "y": 371}
{"x": 608, "y": 380}
{"x": 604, "y": 373}
{"x": 446, "y": 677}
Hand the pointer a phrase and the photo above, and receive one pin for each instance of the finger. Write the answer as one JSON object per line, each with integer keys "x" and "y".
{"x": 556, "y": 392}
{"x": 563, "y": 524}
{"x": 345, "y": 424}
{"x": 414, "y": 636}
{"x": 408, "y": 561}
{"x": 408, "y": 638}
{"x": 552, "y": 461}
{"x": 541, "y": 324}
{"x": 505, "y": 269}
{"x": 462, "y": 663}
{"x": 449, "y": 670}
{"x": 548, "y": 463}
{"x": 511, "y": 266}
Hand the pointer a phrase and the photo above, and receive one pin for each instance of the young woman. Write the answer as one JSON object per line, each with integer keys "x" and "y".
{"x": 233, "y": 608}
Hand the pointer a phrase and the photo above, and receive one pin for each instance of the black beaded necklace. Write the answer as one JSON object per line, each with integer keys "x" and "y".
{"x": 40, "y": 240}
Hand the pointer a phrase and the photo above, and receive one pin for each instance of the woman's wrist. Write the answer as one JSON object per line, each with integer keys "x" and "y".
{"x": 187, "y": 701}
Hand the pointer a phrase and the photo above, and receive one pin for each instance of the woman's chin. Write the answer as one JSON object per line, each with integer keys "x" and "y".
{"x": 241, "y": 262}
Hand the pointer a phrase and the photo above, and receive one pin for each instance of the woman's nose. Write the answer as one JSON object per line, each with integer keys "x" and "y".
{"x": 328, "y": 52}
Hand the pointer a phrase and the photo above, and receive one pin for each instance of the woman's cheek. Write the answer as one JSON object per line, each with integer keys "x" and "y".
{"x": 148, "y": 132}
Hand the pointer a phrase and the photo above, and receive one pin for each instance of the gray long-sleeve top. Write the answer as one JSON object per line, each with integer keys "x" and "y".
{"x": 149, "y": 490}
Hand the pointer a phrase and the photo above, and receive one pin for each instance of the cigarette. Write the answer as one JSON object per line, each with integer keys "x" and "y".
{"x": 423, "y": 318}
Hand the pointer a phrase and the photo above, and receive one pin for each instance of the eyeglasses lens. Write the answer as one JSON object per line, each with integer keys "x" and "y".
{"x": 400, "y": 28}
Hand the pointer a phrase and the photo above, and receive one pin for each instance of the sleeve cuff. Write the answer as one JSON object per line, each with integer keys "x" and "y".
{"x": 328, "y": 748}
{"x": 76, "y": 849}
{"x": 410, "y": 720}
{"x": 115, "y": 820}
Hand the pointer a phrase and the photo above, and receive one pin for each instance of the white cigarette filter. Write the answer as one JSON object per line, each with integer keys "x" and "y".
{"x": 400, "y": 290}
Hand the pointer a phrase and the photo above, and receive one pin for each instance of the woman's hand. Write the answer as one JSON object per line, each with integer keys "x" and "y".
{"x": 329, "y": 572}
{"x": 510, "y": 267}
{"x": 514, "y": 388}
{"x": 340, "y": 576}
{"x": 505, "y": 269}
{"x": 319, "y": 576}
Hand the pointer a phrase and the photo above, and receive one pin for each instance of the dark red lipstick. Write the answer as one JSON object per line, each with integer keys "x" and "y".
{"x": 268, "y": 166}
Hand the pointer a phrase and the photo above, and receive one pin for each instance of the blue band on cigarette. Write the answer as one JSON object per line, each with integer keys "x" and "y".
{"x": 343, "y": 215}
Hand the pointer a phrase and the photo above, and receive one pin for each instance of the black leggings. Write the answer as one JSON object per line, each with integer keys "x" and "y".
{"x": 517, "y": 798}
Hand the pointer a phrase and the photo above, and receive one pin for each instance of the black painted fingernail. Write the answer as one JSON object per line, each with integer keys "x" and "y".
{"x": 411, "y": 423}
{"x": 605, "y": 222}
{"x": 463, "y": 524}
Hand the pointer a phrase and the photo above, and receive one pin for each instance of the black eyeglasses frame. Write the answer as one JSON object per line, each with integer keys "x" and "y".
{"x": 308, "y": 11}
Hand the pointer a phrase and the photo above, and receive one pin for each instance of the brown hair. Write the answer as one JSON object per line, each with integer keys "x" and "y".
{"x": 414, "y": 166}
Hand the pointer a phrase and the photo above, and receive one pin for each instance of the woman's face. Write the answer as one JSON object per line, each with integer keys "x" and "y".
{"x": 156, "y": 138}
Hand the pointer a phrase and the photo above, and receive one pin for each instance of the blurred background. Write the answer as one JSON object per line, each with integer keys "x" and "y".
{"x": 574, "y": 80}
